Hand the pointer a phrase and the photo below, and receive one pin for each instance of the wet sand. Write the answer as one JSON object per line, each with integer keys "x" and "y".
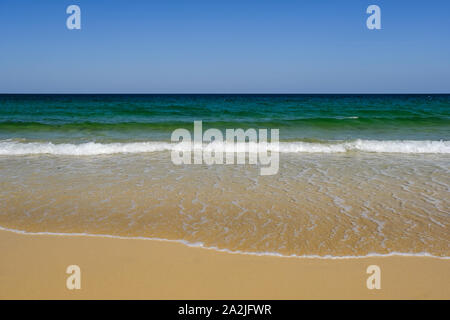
{"x": 336, "y": 205}
{"x": 33, "y": 267}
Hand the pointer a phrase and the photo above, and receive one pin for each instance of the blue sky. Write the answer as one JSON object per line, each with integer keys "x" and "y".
{"x": 227, "y": 46}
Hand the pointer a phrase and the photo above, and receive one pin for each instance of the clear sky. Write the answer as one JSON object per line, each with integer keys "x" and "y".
{"x": 227, "y": 46}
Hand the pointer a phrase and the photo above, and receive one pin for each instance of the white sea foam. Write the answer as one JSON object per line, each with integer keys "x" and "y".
{"x": 201, "y": 245}
{"x": 15, "y": 148}
{"x": 389, "y": 146}
{"x": 83, "y": 149}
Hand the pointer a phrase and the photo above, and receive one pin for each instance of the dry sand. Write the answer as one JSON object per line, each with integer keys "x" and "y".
{"x": 33, "y": 267}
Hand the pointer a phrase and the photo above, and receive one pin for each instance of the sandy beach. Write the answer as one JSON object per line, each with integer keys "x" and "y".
{"x": 34, "y": 266}
{"x": 223, "y": 150}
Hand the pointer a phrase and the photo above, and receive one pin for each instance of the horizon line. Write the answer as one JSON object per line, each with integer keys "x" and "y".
{"x": 226, "y": 93}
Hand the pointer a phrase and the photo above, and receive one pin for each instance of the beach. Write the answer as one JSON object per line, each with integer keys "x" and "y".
{"x": 359, "y": 180}
{"x": 34, "y": 267}
{"x": 335, "y": 205}
{"x": 236, "y": 151}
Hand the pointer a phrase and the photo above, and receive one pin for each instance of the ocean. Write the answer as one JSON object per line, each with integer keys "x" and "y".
{"x": 359, "y": 174}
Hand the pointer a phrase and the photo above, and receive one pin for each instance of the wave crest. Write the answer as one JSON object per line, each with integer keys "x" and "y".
{"x": 15, "y": 148}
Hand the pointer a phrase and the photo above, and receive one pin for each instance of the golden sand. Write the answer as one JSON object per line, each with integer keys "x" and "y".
{"x": 337, "y": 205}
{"x": 34, "y": 266}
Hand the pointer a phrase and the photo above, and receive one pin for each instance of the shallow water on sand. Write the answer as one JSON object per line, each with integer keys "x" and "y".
{"x": 343, "y": 204}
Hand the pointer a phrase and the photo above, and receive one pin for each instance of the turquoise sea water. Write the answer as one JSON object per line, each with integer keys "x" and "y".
{"x": 78, "y": 119}
{"x": 358, "y": 174}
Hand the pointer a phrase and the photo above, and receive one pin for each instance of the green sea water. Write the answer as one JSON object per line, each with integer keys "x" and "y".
{"x": 357, "y": 174}
{"x": 108, "y": 118}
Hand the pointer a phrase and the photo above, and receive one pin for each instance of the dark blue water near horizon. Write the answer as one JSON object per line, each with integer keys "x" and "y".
{"x": 82, "y": 118}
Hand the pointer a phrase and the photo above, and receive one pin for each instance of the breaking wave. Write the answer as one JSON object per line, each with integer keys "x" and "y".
{"x": 16, "y": 148}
